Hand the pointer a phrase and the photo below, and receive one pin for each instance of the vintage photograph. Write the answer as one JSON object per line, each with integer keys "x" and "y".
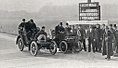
{"x": 58, "y": 33}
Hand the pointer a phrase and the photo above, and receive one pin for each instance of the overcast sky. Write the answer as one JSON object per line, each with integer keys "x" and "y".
{"x": 35, "y": 5}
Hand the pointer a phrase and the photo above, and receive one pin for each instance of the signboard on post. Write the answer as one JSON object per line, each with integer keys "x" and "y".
{"x": 89, "y": 11}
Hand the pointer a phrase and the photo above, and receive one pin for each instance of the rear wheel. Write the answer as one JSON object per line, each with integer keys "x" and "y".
{"x": 63, "y": 46}
{"x": 33, "y": 48}
{"x": 53, "y": 48}
{"x": 20, "y": 44}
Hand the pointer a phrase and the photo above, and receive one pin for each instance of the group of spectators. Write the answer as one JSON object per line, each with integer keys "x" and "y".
{"x": 104, "y": 39}
{"x": 101, "y": 38}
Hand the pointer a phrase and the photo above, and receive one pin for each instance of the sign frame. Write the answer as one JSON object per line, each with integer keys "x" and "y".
{"x": 89, "y": 6}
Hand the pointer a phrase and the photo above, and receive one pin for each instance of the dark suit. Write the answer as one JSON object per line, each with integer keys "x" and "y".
{"x": 61, "y": 33}
{"x": 107, "y": 48}
{"x": 27, "y": 26}
{"x": 90, "y": 40}
{"x": 97, "y": 39}
{"x": 83, "y": 37}
{"x": 116, "y": 40}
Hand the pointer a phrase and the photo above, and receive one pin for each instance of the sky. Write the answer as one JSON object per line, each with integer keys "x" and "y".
{"x": 35, "y": 5}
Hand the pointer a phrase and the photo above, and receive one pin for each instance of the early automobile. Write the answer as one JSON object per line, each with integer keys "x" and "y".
{"x": 68, "y": 43}
{"x": 34, "y": 44}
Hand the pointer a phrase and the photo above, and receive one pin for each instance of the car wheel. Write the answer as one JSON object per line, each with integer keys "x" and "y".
{"x": 53, "y": 48}
{"x": 33, "y": 48}
{"x": 63, "y": 46}
{"x": 20, "y": 44}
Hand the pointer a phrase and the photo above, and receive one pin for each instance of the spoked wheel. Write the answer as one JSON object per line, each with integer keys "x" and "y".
{"x": 79, "y": 46}
{"x": 53, "y": 48}
{"x": 20, "y": 44}
{"x": 33, "y": 48}
{"x": 63, "y": 46}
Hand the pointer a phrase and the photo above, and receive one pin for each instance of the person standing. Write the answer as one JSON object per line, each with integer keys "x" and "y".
{"x": 113, "y": 36}
{"x": 107, "y": 48}
{"x": 90, "y": 39}
{"x": 116, "y": 39}
{"x": 82, "y": 35}
{"x": 103, "y": 38}
{"x": 97, "y": 38}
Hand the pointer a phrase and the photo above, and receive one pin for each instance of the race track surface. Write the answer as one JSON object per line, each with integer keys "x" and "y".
{"x": 11, "y": 57}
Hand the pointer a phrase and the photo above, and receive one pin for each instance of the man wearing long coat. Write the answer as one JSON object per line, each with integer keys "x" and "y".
{"x": 90, "y": 39}
{"x": 97, "y": 38}
{"x": 107, "y": 47}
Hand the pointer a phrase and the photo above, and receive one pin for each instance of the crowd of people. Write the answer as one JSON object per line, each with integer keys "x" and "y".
{"x": 101, "y": 38}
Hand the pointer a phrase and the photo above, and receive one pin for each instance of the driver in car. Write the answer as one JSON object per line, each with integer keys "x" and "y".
{"x": 42, "y": 32}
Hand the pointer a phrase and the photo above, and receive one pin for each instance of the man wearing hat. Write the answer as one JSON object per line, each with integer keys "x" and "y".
{"x": 107, "y": 48}
{"x": 90, "y": 39}
{"x": 97, "y": 38}
{"x": 103, "y": 31}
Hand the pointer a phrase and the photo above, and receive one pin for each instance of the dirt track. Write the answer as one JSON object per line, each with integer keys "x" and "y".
{"x": 11, "y": 57}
